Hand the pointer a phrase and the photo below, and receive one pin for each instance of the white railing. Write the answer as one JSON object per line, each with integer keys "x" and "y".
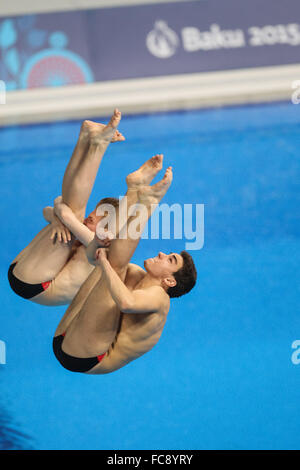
{"x": 177, "y": 92}
{"x": 21, "y": 7}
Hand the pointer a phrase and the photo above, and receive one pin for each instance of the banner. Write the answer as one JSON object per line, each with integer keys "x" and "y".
{"x": 147, "y": 41}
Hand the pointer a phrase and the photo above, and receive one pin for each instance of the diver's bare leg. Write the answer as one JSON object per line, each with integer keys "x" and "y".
{"x": 141, "y": 177}
{"x": 81, "y": 173}
{"x": 78, "y": 301}
{"x": 89, "y": 334}
{"x": 121, "y": 250}
{"x": 43, "y": 259}
{"x": 82, "y": 147}
{"x": 31, "y": 246}
{"x": 79, "y": 151}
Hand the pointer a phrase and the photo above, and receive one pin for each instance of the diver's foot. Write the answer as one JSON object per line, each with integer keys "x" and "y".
{"x": 145, "y": 174}
{"x": 96, "y": 132}
{"x": 153, "y": 194}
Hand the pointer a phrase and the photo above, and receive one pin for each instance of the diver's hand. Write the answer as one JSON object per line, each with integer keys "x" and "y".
{"x": 101, "y": 257}
{"x": 103, "y": 237}
{"x": 59, "y": 232}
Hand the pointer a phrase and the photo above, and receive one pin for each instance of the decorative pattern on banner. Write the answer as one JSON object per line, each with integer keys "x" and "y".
{"x": 35, "y": 55}
{"x": 149, "y": 40}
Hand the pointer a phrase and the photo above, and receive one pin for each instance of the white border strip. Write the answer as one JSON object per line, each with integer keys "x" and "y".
{"x": 24, "y": 7}
{"x": 153, "y": 94}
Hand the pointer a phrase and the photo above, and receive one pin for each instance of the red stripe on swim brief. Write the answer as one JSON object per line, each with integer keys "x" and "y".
{"x": 100, "y": 357}
{"x": 46, "y": 284}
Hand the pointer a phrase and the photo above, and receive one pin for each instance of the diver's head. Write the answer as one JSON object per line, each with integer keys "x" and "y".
{"x": 176, "y": 272}
{"x": 93, "y": 219}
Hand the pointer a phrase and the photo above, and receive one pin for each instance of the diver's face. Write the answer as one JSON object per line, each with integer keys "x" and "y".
{"x": 92, "y": 220}
{"x": 163, "y": 265}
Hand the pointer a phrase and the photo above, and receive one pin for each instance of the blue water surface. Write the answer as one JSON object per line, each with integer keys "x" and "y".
{"x": 221, "y": 376}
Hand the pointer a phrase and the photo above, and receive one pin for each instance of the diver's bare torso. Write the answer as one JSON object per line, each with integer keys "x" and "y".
{"x": 137, "y": 333}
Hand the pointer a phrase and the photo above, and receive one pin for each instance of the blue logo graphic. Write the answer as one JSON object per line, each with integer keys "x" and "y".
{"x": 33, "y": 58}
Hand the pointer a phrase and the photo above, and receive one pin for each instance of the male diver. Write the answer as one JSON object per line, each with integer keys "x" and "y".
{"x": 51, "y": 269}
{"x": 121, "y": 309}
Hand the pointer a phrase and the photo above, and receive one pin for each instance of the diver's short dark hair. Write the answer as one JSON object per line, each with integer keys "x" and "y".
{"x": 185, "y": 277}
{"x": 109, "y": 200}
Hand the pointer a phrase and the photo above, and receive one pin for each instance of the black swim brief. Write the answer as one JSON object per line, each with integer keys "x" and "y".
{"x": 23, "y": 289}
{"x": 74, "y": 364}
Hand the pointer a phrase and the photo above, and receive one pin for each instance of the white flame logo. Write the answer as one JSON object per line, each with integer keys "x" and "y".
{"x": 162, "y": 41}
